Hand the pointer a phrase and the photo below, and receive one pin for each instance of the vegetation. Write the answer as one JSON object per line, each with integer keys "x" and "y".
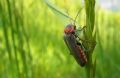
{"x": 32, "y": 46}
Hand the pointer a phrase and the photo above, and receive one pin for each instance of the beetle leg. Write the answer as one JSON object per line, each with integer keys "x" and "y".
{"x": 81, "y": 29}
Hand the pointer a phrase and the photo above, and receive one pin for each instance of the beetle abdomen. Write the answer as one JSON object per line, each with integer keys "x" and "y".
{"x": 75, "y": 49}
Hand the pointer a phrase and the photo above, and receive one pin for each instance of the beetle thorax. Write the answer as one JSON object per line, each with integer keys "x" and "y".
{"x": 69, "y": 29}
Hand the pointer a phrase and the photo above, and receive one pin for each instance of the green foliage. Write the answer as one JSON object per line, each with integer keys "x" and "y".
{"x": 32, "y": 46}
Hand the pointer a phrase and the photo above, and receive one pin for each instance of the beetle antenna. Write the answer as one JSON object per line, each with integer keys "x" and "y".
{"x": 77, "y": 15}
{"x": 71, "y": 19}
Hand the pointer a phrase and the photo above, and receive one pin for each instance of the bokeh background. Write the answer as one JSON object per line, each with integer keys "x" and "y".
{"x": 31, "y": 39}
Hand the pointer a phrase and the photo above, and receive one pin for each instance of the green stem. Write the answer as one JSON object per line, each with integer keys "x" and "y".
{"x": 10, "y": 12}
{"x": 90, "y": 19}
{"x": 6, "y": 36}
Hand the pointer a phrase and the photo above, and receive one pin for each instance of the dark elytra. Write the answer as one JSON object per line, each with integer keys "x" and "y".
{"x": 75, "y": 49}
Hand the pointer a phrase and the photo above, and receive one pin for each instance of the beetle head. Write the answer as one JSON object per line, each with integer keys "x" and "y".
{"x": 70, "y": 29}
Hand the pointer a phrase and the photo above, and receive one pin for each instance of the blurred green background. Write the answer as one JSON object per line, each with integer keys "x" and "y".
{"x": 32, "y": 46}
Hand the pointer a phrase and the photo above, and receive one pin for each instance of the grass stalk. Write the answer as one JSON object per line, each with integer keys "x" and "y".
{"x": 22, "y": 19}
{"x": 19, "y": 22}
{"x": 10, "y": 12}
{"x": 90, "y": 37}
{"x": 6, "y": 36}
{"x": 21, "y": 44}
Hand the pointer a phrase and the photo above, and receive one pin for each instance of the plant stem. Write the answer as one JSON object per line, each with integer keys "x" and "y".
{"x": 90, "y": 19}
{"x": 10, "y": 13}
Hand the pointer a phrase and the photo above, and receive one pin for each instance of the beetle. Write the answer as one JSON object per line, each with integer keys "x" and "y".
{"x": 75, "y": 47}
{"x": 70, "y": 38}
